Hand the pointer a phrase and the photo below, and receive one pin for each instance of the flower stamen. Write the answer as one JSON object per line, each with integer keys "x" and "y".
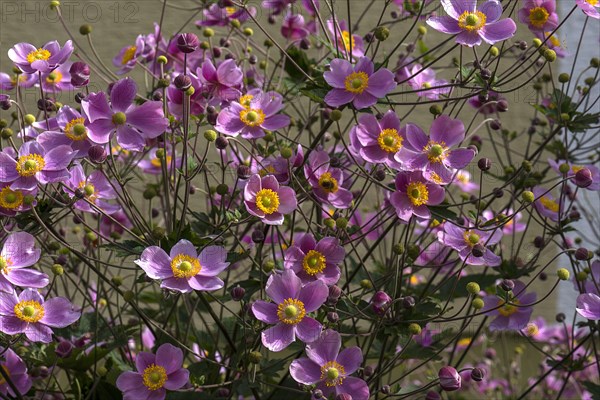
{"x": 154, "y": 377}
{"x": 184, "y": 266}
{"x": 291, "y": 311}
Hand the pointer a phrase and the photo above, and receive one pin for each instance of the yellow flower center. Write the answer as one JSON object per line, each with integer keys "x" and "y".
{"x": 157, "y": 162}
{"x": 389, "y": 140}
{"x": 229, "y": 10}
{"x": 464, "y": 342}
{"x": 38, "y": 55}
{"x": 30, "y": 165}
{"x": 471, "y": 238}
{"x": 7, "y": 372}
{"x": 246, "y": 99}
{"x": 10, "y": 199}
{"x": 328, "y": 183}
{"x": 313, "y": 263}
{"x": 576, "y": 168}
{"x": 332, "y": 373}
{"x": 435, "y": 177}
{"x": 128, "y": 55}
{"x": 291, "y": 311}
{"x": 184, "y": 266}
{"x": 357, "y": 82}
{"x": 472, "y": 21}
{"x": 592, "y": 2}
{"x": 54, "y": 77}
{"x": 88, "y": 190}
{"x": 538, "y": 16}
{"x": 549, "y": 204}
{"x": 29, "y": 311}
{"x": 267, "y": 201}
{"x": 154, "y": 377}
{"x": 507, "y": 310}
{"x": 252, "y": 116}
{"x": 553, "y": 40}
{"x": 417, "y": 193}
{"x": 269, "y": 169}
{"x": 76, "y": 130}
{"x": 426, "y": 85}
{"x": 531, "y": 329}
{"x": 436, "y": 151}
{"x": 346, "y": 39}
{"x": 5, "y": 264}
{"x": 119, "y": 118}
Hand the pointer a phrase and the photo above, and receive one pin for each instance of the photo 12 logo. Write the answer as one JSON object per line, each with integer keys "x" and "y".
{"x": 69, "y": 11}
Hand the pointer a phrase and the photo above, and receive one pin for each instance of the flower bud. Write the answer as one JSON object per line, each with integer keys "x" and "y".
{"x": 221, "y": 143}
{"x": 4, "y": 103}
{"x": 433, "y": 395}
{"x": 335, "y": 115}
{"x": 333, "y": 317}
{"x": 243, "y": 172}
{"x": 582, "y": 254}
{"x": 473, "y": 288}
{"x": 583, "y": 178}
{"x": 85, "y": 29}
{"x": 528, "y": 196}
{"x": 450, "y": 379}
{"x": 162, "y": 60}
{"x": 80, "y": 74}
{"x": 560, "y": 317}
{"x": 563, "y": 274}
{"x": 258, "y": 236}
{"x": 64, "y": 349}
{"x": 382, "y": 33}
{"x": 478, "y": 250}
{"x": 237, "y": 293}
{"x": 507, "y": 285}
{"x": 484, "y": 164}
{"x": 254, "y": 357}
{"x": 564, "y": 77}
{"x": 380, "y": 302}
{"x": 57, "y": 269}
{"x": 477, "y": 303}
{"x": 477, "y": 374}
{"x": 408, "y": 302}
{"x": 187, "y": 42}
{"x": 414, "y": 329}
{"x": 97, "y": 154}
{"x": 182, "y": 82}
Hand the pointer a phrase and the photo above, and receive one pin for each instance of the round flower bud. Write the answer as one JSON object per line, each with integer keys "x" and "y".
{"x": 57, "y": 269}
{"x": 248, "y": 31}
{"x": 268, "y": 266}
{"x": 221, "y": 143}
{"x": 97, "y": 154}
{"x": 502, "y": 105}
{"x": 128, "y": 295}
{"x": 450, "y": 379}
{"x": 286, "y": 153}
{"x": 6, "y": 133}
{"x": 254, "y": 357}
{"x": 507, "y": 285}
{"x": 583, "y": 178}
{"x": 335, "y": 115}
{"x": 29, "y": 119}
{"x": 528, "y": 196}
{"x": 243, "y": 171}
{"x": 190, "y": 91}
{"x": 222, "y": 189}
{"x": 398, "y": 248}
{"x": 477, "y": 303}
{"x": 85, "y": 29}
{"x": 484, "y": 164}
{"x": 117, "y": 280}
{"x": 582, "y": 254}
{"x": 187, "y": 42}
{"x": 208, "y": 32}
{"x": 477, "y": 374}
{"x": 382, "y": 33}
{"x": 149, "y": 193}
{"x": 162, "y": 60}
{"x": 205, "y": 45}
{"x": 564, "y": 77}
{"x": 435, "y": 109}
{"x": 422, "y": 30}
{"x": 333, "y": 317}
{"x": 563, "y": 274}
{"x": 494, "y": 51}
{"x": 237, "y": 293}
{"x": 366, "y": 284}
{"x": 537, "y": 42}
{"x": 564, "y": 168}
{"x": 258, "y": 236}
{"x": 341, "y": 223}
{"x": 473, "y": 288}
{"x": 386, "y": 389}
{"x": 414, "y": 329}
{"x": 560, "y": 317}
{"x": 335, "y": 292}
{"x": 581, "y": 276}
{"x": 408, "y": 302}
{"x": 550, "y": 55}
{"x": 210, "y": 135}
{"x": 413, "y": 251}
{"x": 182, "y": 82}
